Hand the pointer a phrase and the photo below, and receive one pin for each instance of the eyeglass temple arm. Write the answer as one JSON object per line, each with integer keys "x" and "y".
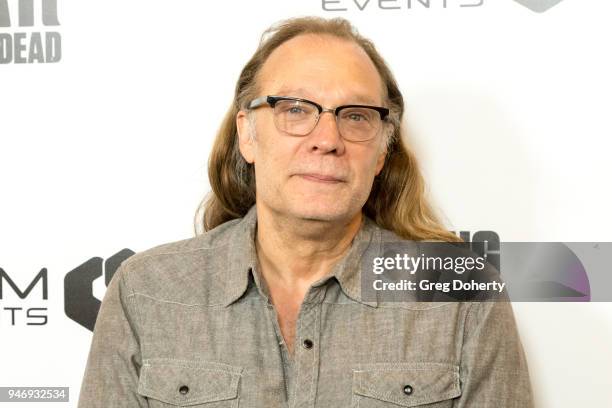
{"x": 257, "y": 102}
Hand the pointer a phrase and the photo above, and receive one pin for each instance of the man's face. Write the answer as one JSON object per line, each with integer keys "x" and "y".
{"x": 320, "y": 176}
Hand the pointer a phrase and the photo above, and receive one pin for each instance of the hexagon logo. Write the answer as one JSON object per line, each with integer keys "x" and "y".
{"x": 80, "y": 303}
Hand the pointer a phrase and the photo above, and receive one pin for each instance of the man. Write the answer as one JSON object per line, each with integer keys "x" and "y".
{"x": 265, "y": 308}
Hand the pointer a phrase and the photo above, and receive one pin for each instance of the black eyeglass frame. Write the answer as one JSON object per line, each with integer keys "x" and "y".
{"x": 271, "y": 100}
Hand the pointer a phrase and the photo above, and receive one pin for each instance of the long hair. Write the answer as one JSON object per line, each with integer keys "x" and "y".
{"x": 397, "y": 200}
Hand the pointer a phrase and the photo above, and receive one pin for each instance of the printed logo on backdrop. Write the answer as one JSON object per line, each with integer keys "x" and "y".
{"x": 361, "y": 5}
{"x": 80, "y": 301}
{"x": 28, "y": 32}
{"x": 20, "y": 311}
{"x": 539, "y": 6}
{"x": 24, "y": 298}
{"x": 484, "y": 243}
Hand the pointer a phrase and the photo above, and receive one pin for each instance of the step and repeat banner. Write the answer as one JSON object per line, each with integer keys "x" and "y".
{"x": 108, "y": 110}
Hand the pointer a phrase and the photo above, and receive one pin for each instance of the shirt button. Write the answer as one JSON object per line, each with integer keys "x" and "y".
{"x": 307, "y": 344}
{"x": 407, "y": 389}
{"x": 184, "y": 389}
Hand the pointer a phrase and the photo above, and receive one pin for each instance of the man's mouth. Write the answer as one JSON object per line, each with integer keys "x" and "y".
{"x": 321, "y": 178}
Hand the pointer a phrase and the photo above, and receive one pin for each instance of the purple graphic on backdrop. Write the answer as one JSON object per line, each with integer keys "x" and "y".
{"x": 545, "y": 270}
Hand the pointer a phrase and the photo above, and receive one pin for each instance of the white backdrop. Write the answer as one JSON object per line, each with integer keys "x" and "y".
{"x": 107, "y": 148}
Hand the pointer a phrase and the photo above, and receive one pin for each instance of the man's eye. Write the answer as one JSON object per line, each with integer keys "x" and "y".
{"x": 296, "y": 109}
{"x": 356, "y": 117}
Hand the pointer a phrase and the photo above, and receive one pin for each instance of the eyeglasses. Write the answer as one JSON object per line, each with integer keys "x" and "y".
{"x": 298, "y": 117}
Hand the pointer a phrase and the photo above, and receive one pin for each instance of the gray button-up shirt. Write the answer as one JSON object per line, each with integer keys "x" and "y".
{"x": 190, "y": 323}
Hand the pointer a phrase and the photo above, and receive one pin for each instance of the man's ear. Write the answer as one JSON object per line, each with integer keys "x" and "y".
{"x": 380, "y": 161}
{"x": 246, "y": 142}
{"x": 382, "y": 155}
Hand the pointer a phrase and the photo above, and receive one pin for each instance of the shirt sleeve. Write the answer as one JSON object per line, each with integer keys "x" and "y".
{"x": 493, "y": 370}
{"x": 114, "y": 361}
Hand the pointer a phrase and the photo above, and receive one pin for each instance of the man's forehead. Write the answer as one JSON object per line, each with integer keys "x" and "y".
{"x": 315, "y": 96}
{"x": 322, "y": 68}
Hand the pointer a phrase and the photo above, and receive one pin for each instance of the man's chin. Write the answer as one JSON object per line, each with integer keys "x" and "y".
{"x": 322, "y": 213}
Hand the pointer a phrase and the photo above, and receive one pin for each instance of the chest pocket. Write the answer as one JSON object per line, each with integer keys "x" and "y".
{"x": 187, "y": 383}
{"x": 387, "y": 385}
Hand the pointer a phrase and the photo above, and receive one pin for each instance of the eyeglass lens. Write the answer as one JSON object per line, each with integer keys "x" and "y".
{"x": 300, "y": 118}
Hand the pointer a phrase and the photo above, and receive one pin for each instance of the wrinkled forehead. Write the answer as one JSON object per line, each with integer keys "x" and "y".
{"x": 325, "y": 68}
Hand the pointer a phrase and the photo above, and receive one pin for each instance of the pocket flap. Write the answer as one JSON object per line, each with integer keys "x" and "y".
{"x": 188, "y": 382}
{"x": 407, "y": 384}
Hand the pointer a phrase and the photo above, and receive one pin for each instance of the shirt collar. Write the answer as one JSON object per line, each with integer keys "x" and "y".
{"x": 243, "y": 260}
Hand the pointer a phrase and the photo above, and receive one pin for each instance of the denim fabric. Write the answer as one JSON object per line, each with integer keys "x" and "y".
{"x": 190, "y": 323}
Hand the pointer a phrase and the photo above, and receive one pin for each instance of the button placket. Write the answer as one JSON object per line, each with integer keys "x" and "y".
{"x": 306, "y": 357}
{"x": 282, "y": 347}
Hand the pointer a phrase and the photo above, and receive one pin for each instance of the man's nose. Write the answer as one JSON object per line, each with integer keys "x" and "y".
{"x": 325, "y": 137}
